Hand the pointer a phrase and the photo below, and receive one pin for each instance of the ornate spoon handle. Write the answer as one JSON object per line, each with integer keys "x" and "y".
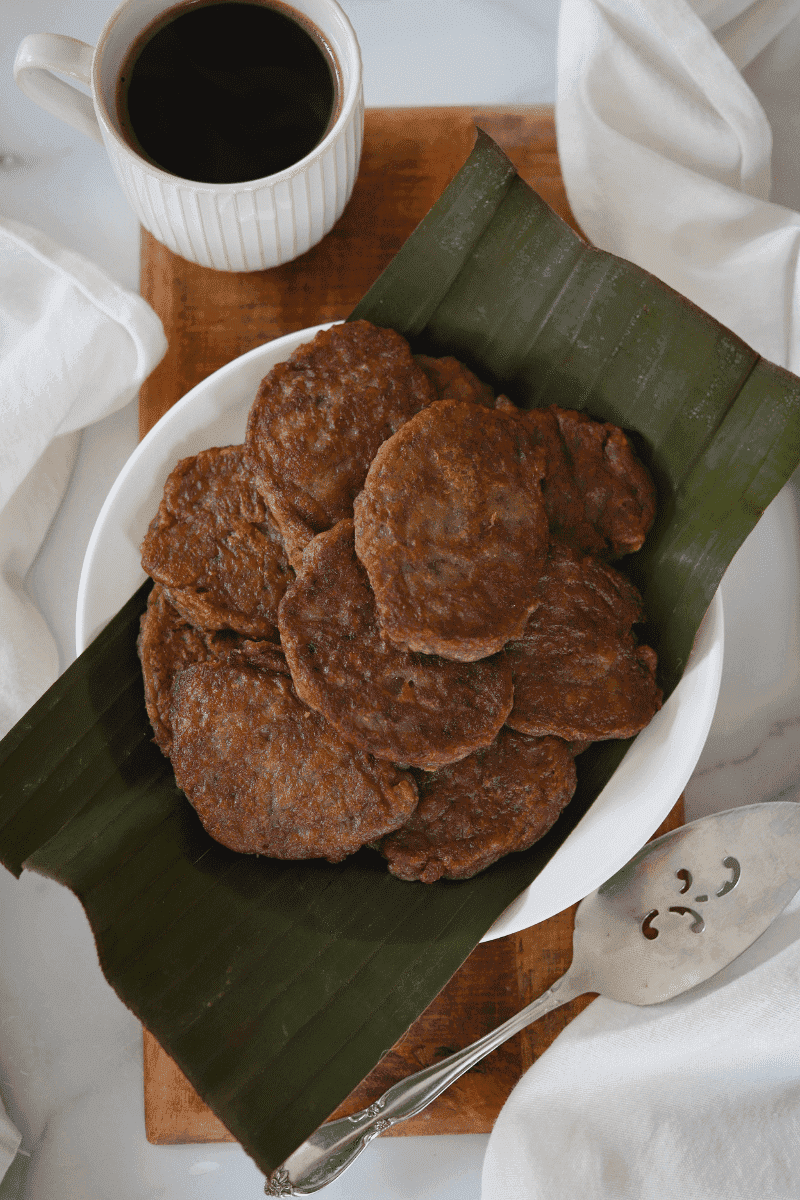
{"x": 331, "y": 1149}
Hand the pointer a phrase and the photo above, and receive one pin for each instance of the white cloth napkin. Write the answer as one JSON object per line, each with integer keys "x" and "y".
{"x": 10, "y": 1139}
{"x": 74, "y": 347}
{"x": 667, "y": 153}
{"x": 667, "y": 157}
{"x": 694, "y": 1099}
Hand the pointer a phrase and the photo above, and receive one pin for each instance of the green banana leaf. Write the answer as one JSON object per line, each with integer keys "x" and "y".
{"x": 276, "y": 987}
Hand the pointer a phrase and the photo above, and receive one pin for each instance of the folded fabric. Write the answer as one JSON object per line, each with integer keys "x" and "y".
{"x": 10, "y": 1139}
{"x": 666, "y": 154}
{"x": 74, "y": 347}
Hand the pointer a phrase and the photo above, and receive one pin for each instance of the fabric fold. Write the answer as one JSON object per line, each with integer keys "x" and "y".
{"x": 74, "y": 347}
{"x": 10, "y": 1141}
{"x": 666, "y": 156}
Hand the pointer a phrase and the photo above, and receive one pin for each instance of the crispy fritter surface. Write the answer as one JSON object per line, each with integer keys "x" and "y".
{"x": 167, "y": 644}
{"x": 215, "y": 548}
{"x": 410, "y": 708}
{"x": 578, "y": 671}
{"x": 267, "y": 775}
{"x": 234, "y": 648}
{"x": 470, "y": 814}
{"x": 319, "y": 418}
{"x": 452, "y": 531}
{"x": 599, "y": 496}
{"x": 452, "y": 380}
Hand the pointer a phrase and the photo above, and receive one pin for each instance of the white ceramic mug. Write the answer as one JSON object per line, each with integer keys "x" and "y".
{"x": 231, "y": 226}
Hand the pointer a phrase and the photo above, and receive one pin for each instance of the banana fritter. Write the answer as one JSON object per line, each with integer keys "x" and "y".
{"x": 452, "y": 531}
{"x": 470, "y": 814}
{"x": 599, "y": 496}
{"x": 266, "y": 775}
{"x": 318, "y": 419}
{"x": 453, "y": 381}
{"x": 578, "y": 671}
{"x": 167, "y": 644}
{"x": 215, "y": 548}
{"x": 416, "y": 709}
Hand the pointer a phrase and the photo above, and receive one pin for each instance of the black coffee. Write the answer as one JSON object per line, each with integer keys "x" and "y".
{"x": 223, "y": 91}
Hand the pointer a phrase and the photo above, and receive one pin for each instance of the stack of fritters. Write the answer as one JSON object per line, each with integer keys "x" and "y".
{"x": 215, "y": 549}
{"x": 389, "y": 618}
{"x": 319, "y": 418}
{"x": 416, "y": 709}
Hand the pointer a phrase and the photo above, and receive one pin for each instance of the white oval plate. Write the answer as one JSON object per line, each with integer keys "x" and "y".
{"x": 631, "y": 806}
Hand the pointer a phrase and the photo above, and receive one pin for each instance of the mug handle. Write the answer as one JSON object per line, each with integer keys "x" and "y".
{"x": 38, "y": 56}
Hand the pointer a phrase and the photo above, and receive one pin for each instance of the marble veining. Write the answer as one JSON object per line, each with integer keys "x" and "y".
{"x": 753, "y": 749}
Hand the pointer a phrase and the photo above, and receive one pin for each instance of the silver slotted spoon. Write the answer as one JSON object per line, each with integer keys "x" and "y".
{"x": 683, "y": 908}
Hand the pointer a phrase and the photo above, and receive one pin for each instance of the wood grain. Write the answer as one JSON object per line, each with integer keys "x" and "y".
{"x": 212, "y": 317}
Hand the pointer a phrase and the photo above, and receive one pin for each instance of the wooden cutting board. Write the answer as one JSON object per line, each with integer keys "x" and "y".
{"x": 210, "y": 317}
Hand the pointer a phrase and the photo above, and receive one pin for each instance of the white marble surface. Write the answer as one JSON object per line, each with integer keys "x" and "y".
{"x": 70, "y": 1053}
